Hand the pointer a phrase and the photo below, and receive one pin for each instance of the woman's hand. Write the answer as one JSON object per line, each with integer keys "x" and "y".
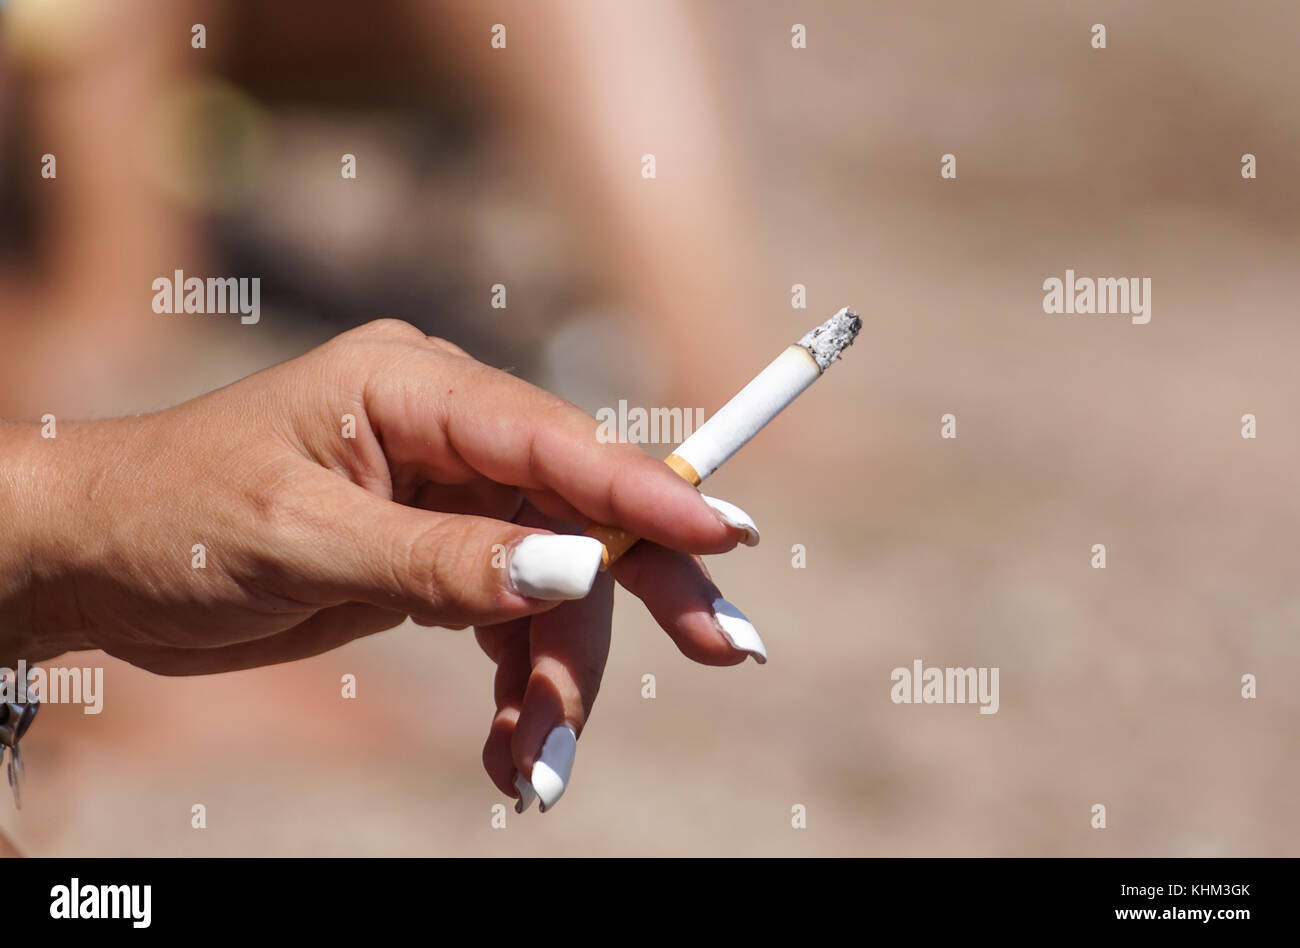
{"x": 385, "y": 474}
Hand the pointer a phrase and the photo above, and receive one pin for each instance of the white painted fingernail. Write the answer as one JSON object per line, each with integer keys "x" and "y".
{"x": 740, "y": 632}
{"x": 734, "y": 517}
{"x": 555, "y": 567}
{"x": 526, "y": 793}
{"x": 553, "y": 766}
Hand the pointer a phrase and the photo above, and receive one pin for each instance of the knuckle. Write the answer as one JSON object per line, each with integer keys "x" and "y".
{"x": 446, "y": 567}
{"x": 389, "y": 328}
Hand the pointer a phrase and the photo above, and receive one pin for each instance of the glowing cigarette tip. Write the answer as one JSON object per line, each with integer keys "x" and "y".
{"x": 831, "y": 338}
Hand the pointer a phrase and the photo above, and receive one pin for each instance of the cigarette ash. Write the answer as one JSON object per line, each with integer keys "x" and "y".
{"x": 827, "y": 341}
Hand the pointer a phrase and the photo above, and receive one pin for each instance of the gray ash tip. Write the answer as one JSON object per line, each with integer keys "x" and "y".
{"x": 827, "y": 341}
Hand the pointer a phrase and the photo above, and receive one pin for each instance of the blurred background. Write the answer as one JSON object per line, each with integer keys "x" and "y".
{"x": 775, "y": 166}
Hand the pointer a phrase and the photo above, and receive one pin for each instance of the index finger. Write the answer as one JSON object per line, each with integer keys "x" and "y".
{"x": 516, "y": 433}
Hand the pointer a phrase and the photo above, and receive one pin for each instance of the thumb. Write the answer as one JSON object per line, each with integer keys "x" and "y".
{"x": 441, "y": 569}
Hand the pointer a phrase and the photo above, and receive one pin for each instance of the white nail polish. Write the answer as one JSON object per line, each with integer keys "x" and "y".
{"x": 554, "y": 567}
{"x": 526, "y": 793}
{"x": 740, "y": 632}
{"x": 733, "y": 516}
{"x": 553, "y": 766}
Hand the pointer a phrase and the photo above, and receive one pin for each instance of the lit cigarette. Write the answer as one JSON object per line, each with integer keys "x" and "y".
{"x": 747, "y": 413}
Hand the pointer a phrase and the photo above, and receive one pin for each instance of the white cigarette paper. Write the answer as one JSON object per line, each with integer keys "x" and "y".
{"x": 765, "y": 397}
{"x": 768, "y": 394}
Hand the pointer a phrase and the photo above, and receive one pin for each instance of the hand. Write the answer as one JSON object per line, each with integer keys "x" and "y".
{"x": 246, "y": 528}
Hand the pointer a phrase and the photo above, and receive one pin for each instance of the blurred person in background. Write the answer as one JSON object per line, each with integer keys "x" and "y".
{"x": 164, "y": 149}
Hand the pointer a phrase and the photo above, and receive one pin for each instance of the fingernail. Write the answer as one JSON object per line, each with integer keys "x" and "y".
{"x": 554, "y": 567}
{"x": 526, "y": 793}
{"x": 740, "y": 632}
{"x": 734, "y": 517}
{"x": 553, "y": 766}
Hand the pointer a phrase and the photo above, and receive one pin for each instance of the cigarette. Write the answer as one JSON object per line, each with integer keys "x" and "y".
{"x": 736, "y": 422}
